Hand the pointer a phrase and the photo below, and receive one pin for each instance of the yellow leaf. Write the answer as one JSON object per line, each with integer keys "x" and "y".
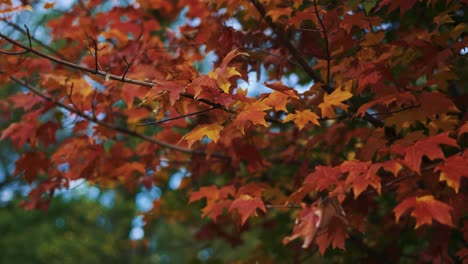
{"x": 222, "y": 76}
{"x": 49, "y": 5}
{"x": 211, "y": 131}
{"x": 332, "y": 100}
{"x": 301, "y": 118}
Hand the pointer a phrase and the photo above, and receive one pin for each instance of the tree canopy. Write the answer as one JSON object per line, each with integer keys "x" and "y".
{"x": 289, "y": 130}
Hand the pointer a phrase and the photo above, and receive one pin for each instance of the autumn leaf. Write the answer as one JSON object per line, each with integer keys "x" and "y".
{"x": 246, "y": 206}
{"x": 222, "y": 76}
{"x": 323, "y": 177}
{"x": 223, "y": 73}
{"x": 212, "y": 193}
{"x": 424, "y": 209}
{"x": 301, "y": 118}
{"x": 277, "y": 100}
{"x": 251, "y": 114}
{"x": 211, "y": 131}
{"x": 49, "y": 5}
{"x": 280, "y": 87}
{"x": 279, "y": 12}
{"x": 30, "y": 164}
{"x": 463, "y": 129}
{"x": 19, "y": 133}
{"x": 428, "y": 147}
{"x": 306, "y": 226}
{"x": 453, "y": 169}
{"x": 334, "y": 235}
{"x": 332, "y": 100}
{"x": 361, "y": 175}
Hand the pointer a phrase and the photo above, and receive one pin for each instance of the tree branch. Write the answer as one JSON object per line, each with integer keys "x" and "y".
{"x": 122, "y": 130}
{"x": 108, "y": 75}
{"x": 325, "y": 35}
{"x": 175, "y": 118}
{"x": 282, "y": 36}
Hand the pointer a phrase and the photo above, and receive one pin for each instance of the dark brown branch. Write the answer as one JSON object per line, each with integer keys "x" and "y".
{"x": 76, "y": 66}
{"x": 282, "y": 36}
{"x": 129, "y": 64}
{"x": 325, "y": 36}
{"x": 14, "y": 53}
{"x": 175, "y": 118}
{"x": 40, "y": 43}
{"x": 108, "y": 75}
{"x": 280, "y": 206}
{"x": 93, "y": 105}
{"x": 395, "y": 111}
{"x": 69, "y": 96}
{"x": 29, "y": 36}
{"x": 122, "y": 130}
{"x": 95, "y": 53}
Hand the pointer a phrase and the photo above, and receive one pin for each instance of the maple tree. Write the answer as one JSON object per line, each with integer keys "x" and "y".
{"x": 356, "y": 141}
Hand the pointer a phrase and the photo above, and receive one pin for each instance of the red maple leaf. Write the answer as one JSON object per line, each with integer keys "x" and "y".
{"x": 452, "y": 169}
{"x": 428, "y": 147}
{"x": 31, "y": 163}
{"x": 425, "y": 209}
{"x": 247, "y": 205}
{"x": 334, "y": 235}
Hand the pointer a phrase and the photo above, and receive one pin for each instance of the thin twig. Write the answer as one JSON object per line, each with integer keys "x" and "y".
{"x": 283, "y": 37}
{"x": 395, "y": 111}
{"x": 280, "y": 206}
{"x": 14, "y": 53}
{"x": 128, "y": 65}
{"x": 40, "y": 43}
{"x": 69, "y": 95}
{"x": 175, "y": 118}
{"x": 325, "y": 36}
{"x": 108, "y": 75}
{"x": 95, "y": 54}
{"x": 93, "y": 105}
{"x": 29, "y": 36}
{"x": 122, "y": 130}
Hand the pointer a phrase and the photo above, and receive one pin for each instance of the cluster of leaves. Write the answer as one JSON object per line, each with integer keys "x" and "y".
{"x": 373, "y": 148}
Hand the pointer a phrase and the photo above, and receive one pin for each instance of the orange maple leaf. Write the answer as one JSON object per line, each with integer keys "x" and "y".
{"x": 301, "y": 118}
{"x": 277, "y": 100}
{"x": 251, "y": 114}
{"x": 211, "y": 131}
{"x": 332, "y": 100}
{"x": 425, "y": 209}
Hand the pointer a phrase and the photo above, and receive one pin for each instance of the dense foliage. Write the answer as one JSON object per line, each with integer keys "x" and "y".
{"x": 320, "y": 125}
